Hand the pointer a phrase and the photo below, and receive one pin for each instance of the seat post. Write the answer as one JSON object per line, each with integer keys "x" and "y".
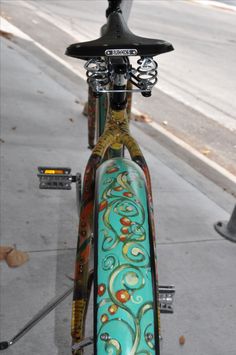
{"x": 113, "y": 5}
{"x": 123, "y": 5}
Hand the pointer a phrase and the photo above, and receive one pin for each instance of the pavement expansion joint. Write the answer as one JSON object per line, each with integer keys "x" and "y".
{"x": 50, "y": 250}
{"x": 198, "y": 241}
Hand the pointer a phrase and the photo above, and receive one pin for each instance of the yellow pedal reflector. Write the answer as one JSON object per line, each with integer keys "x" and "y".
{"x": 54, "y": 171}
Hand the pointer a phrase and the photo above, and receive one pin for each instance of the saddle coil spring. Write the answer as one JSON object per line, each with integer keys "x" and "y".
{"x": 100, "y": 73}
{"x": 97, "y": 73}
{"x": 147, "y": 73}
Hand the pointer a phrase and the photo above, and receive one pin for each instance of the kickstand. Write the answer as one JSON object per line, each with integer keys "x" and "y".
{"x": 37, "y": 318}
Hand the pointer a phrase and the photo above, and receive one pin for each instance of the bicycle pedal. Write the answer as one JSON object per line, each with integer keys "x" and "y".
{"x": 55, "y": 178}
{"x": 166, "y": 299}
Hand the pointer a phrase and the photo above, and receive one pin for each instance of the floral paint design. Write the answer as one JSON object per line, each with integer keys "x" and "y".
{"x": 125, "y": 309}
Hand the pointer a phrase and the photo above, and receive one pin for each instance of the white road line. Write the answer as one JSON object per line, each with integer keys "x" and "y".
{"x": 218, "y": 4}
{"x": 8, "y": 27}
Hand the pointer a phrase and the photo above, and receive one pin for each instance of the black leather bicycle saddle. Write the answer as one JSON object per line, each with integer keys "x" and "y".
{"x": 117, "y": 40}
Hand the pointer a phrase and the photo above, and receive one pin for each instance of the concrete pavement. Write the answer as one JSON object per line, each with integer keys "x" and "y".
{"x": 41, "y": 123}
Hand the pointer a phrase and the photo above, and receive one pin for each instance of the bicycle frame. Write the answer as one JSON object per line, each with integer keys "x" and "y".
{"x": 116, "y": 132}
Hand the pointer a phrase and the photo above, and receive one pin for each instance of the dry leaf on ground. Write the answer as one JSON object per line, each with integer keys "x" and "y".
{"x": 4, "y": 250}
{"x": 181, "y": 340}
{"x": 5, "y": 34}
{"x": 205, "y": 151}
{"x": 142, "y": 118}
{"x": 16, "y": 258}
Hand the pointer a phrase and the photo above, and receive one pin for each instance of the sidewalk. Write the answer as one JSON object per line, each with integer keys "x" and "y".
{"x": 42, "y": 124}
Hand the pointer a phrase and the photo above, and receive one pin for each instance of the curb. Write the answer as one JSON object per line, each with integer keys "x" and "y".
{"x": 207, "y": 167}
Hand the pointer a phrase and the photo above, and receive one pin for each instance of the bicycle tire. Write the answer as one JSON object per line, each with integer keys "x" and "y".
{"x": 125, "y": 295}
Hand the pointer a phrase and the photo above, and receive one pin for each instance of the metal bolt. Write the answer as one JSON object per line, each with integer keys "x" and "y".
{"x": 105, "y": 336}
{"x": 149, "y": 336}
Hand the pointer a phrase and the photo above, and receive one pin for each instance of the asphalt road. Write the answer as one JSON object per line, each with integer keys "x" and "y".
{"x": 195, "y": 97}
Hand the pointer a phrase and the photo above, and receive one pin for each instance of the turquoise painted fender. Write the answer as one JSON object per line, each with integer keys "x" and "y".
{"x": 125, "y": 309}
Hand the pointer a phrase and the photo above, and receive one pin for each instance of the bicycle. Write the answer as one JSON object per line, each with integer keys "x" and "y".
{"x": 115, "y": 204}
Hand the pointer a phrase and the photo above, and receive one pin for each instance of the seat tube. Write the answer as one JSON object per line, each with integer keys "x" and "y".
{"x": 102, "y": 113}
{"x": 118, "y": 99}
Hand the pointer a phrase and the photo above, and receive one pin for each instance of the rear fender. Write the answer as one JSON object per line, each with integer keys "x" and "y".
{"x": 125, "y": 305}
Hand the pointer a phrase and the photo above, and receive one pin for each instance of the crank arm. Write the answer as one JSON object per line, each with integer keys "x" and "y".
{"x": 40, "y": 315}
{"x": 82, "y": 344}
